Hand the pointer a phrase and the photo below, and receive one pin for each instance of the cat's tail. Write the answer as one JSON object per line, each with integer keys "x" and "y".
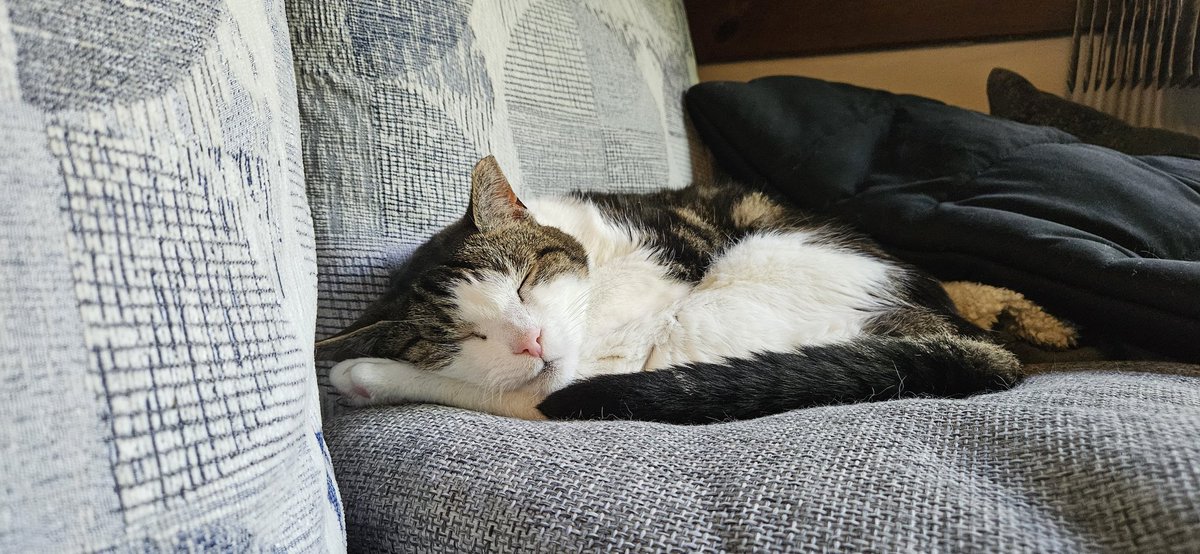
{"x": 866, "y": 369}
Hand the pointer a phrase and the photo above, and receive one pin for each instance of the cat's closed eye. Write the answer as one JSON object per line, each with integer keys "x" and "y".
{"x": 521, "y": 289}
{"x": 479, "y": 336}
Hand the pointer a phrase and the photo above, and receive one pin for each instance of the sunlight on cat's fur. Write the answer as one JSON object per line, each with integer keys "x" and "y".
{"x": 602, "y": 296}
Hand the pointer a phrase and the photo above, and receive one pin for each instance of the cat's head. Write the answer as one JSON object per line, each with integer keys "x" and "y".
{"x": 494, "y": 299}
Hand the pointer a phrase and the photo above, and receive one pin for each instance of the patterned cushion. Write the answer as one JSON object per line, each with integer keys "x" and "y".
{"x": 399, "y": 98}
{"x": 157, "y": 283}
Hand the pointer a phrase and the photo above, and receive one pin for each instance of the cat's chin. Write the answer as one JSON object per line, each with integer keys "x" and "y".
{"x": 548, "y": 377}
{"x": 555, "y": 375}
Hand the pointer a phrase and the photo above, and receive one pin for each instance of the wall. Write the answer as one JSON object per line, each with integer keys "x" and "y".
{"x": 954, "y": 74}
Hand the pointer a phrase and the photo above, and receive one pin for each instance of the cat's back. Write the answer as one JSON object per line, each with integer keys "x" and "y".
{"x": 686, "y": 228}
{"x": 669, "y": 242}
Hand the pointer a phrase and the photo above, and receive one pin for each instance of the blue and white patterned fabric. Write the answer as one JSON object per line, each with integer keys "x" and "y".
{"x": 157, "y": 283}
{"x": 399, "y": 98}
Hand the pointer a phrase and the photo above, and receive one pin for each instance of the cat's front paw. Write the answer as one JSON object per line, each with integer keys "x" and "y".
{"x": 622, "y": 351}
{"x": 362, "y": 381}
{"x": 611, "y": 363}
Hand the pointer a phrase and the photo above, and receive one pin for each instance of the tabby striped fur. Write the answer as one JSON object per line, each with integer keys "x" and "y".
{"x": 592, "y": 305}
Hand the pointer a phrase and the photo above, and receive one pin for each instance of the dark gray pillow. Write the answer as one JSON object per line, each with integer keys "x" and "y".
{"x": 1011, "y": 96}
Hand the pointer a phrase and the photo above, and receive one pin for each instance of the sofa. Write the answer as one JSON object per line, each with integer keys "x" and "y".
{"x": 195, "y": 190}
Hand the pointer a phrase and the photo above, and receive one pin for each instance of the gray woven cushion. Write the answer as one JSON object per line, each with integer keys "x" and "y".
{"x": 1067, "y": 461}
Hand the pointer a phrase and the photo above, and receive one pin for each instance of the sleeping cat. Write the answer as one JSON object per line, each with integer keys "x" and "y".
{"x": 707, "y": 303}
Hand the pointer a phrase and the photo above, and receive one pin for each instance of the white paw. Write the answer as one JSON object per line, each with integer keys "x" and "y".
{"x": 659, "y": 358}
{"x": 522, "y": 404}
{"x": 365, "y": 381}
{"x": 529, "y": 413}
{"x": 624, "y": 350}
{"x": 674, "y": 348}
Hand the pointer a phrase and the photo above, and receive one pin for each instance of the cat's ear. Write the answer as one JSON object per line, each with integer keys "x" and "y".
{"x": 371, "y": 341}
{"x": 493, "y": 202}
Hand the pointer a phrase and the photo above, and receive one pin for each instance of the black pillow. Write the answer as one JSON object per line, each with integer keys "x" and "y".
{"x": 1011, "y": 96}
{"x": 1105, "y": 239}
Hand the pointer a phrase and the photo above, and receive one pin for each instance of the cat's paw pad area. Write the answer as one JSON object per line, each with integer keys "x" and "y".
{"x": 354, "y": 379}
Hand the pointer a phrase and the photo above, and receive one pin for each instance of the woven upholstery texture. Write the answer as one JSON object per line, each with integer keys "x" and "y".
{"x": 1085, "y": 461}
{"x": 399, "y": 99}
{"x": 157, "y": 283}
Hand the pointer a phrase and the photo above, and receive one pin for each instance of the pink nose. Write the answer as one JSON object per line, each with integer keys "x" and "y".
{"x": 529, "y": 342}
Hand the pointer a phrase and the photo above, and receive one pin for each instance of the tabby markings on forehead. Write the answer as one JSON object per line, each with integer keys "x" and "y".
{"x": 460, "y": 266}
{"x": 547, "y": 250}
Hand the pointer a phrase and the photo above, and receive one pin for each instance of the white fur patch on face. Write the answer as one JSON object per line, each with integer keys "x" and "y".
{"x": 561, "y": 304}
{"x": 501, "y": 320}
